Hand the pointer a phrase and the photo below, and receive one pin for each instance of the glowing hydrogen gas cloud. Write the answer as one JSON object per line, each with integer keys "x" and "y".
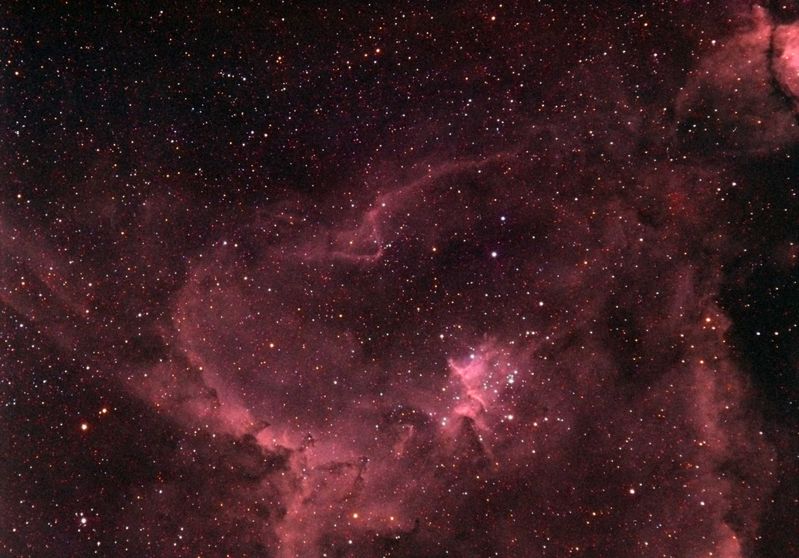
{"x": 399, "y": 280}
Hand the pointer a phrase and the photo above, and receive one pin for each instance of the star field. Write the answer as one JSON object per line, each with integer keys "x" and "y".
{"x": 399, "y": 279}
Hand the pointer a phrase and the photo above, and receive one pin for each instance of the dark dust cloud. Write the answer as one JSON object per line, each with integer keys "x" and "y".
{"x": 452, "y": 279}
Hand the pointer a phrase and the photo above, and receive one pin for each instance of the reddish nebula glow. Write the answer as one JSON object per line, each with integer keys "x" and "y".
{"x": 400, "y": 281}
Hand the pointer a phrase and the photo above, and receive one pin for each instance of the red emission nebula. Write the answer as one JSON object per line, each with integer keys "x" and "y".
{"x": 399, "y": 279}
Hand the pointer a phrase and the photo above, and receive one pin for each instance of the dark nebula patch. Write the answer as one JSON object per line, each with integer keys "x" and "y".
{"x": 399, "y": 280}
